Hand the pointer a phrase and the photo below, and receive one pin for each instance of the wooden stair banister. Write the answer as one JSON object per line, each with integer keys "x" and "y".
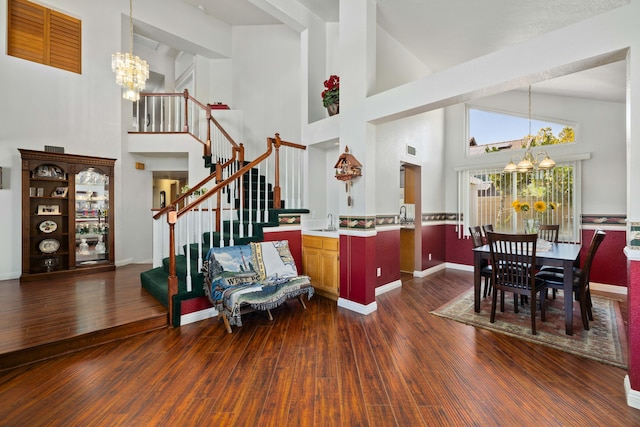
{"x": 172, "y": 281}
{"x": 177, "y": 113}
{"x": 185, "y": 128}
{"x": 174, "y": 215}
{"x": 277, "y": 142}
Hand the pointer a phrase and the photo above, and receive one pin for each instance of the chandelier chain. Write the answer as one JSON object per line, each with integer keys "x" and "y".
{"x": 530, "y": 136}
{"x": 131, "y": 32}
{"x": 131, "y": 71}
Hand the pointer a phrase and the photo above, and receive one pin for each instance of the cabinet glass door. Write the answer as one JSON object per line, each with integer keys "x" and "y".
{"x": 92, "y": 217}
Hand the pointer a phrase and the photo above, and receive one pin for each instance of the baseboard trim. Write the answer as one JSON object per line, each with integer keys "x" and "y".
{"x": 197, "y": 316}
{"x": 357, "y": 307}
{"x": 612, "y": 289}
{"x": 123, "y": 262}
{"x": 388, "y": 287}
{"x": 633, "y": 396}
{"x": 429, "y": 271}
{"x": 462, "y": 267}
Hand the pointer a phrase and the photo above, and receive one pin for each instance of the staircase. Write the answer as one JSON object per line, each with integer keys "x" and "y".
{"x": 245, "y": 199}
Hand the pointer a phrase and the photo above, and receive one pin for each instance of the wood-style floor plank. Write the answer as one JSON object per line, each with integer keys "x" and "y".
{"x": 323, "y": 366}
{"x": 58, "y": 316}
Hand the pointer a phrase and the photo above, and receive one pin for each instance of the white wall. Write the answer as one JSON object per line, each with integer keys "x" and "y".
{"x": 83, "y": 112}
{"x": 267, "y": 82}
{"x": 600, "y": 131}
{"x": 425, "y": 132}
{"x": 395, "y": 65}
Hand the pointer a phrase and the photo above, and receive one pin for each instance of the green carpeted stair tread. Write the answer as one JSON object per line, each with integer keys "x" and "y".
{"x": 155, "y": 282}
{"x": 237, "y": 240}
{"x": 197, "y": 278}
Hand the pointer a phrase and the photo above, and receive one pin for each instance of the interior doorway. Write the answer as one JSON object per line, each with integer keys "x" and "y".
{"x": 410, "y": 218}
{"x": 169, "y": 182}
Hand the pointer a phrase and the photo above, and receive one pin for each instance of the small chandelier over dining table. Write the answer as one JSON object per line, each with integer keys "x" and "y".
{"x": 529, "y": 161}
{"x": 131, "y": 71}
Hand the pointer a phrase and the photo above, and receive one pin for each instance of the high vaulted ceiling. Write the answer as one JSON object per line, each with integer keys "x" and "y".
{"x": 444, "y": 33}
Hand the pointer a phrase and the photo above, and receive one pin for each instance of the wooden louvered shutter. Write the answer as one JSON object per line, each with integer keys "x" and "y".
{"x": 65, "y": 42}
{"x": 45, "y": 36}
{"x": 26, "y": 31}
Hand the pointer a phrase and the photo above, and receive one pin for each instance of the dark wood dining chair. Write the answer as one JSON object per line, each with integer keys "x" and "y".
{"x": 485, "y": 267}
{"x": 487, "y": 228}
{"x": 555, "y": 280}
{"x": 549, "y": 232}
{"x": 513, "y": 257}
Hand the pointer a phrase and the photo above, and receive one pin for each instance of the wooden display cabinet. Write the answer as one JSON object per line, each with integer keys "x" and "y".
{"x": 67, "y": 214}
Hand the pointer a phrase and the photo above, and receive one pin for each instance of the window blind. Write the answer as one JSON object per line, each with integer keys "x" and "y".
{"x": 486, "y": 196}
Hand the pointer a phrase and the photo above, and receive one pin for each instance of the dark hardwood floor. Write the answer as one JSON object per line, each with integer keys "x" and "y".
{"x": 48, "y": 318}
{"x": 324, "y": 366}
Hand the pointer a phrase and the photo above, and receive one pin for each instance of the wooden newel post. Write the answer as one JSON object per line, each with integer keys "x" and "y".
{"x": 172, "y": 282}
{"x": 207, "y": 146}
{"x": 276, "y": 185}
{"x": 219, "y": 195}
{"x": 185, "y": 128}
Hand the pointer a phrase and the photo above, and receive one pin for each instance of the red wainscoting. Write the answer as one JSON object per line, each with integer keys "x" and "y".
{"x": 633, "y": 303}
{"x": 434, "y": 243}
{"x": 609, "y": 266}
{"x": 295, "y": 243}
{"x": 458, "y": 250}
{"x": 194, "y": 304}
{"x": 357, "y": 268}
{"x": 388, "y": 256}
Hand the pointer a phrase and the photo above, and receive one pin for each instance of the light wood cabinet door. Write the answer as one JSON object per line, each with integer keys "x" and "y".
{"x": 320, "y": 261}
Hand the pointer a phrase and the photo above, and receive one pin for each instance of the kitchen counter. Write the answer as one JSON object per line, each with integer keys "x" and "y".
{"x": 322, "y": 233}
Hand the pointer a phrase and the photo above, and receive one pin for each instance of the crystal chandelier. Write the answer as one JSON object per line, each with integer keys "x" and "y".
{"x": 529, "y": 161}
{"x": 131, "y": 71}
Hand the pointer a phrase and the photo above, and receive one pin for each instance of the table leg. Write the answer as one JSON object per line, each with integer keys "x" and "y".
{"x": 477, "y": 262}
{"x": 568, "y": 296}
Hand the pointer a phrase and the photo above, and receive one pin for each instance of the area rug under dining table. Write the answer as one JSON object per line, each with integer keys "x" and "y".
{"x": 605, "y": 341}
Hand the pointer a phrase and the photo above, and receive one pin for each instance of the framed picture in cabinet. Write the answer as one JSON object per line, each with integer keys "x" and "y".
{"x": 48, "y": 210}
{"x": 60, "y": 192}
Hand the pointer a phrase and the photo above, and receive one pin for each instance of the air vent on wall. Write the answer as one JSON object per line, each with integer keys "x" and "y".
{"x": 411, "y": 151}
{"x": 53, "y": 149}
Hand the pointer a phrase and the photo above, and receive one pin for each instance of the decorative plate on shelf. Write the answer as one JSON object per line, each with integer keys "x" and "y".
{"x": 49, "y": 246}
{"x": 48, "y": 226}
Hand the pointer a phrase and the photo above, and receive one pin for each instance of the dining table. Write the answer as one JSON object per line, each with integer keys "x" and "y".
{"x": 560, "y": 255}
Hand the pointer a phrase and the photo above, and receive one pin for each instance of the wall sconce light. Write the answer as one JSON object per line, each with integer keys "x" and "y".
{"x": 347, "y": 168}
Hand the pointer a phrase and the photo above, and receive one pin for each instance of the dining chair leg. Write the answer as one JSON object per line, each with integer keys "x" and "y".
{"x": 589, "y": 305}
{"x": 515, "y": 303}
{"x": 533, "y": 314}
{"x": 494, "y": 302}
{"x": 583, "y": 314}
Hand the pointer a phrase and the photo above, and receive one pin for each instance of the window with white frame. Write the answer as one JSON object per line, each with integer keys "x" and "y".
{"x": 492, "y": 131}
{"x": 492, "y": 196}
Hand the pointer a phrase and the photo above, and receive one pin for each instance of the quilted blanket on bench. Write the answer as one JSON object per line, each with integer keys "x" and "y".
{"x": 260, "y": 275}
